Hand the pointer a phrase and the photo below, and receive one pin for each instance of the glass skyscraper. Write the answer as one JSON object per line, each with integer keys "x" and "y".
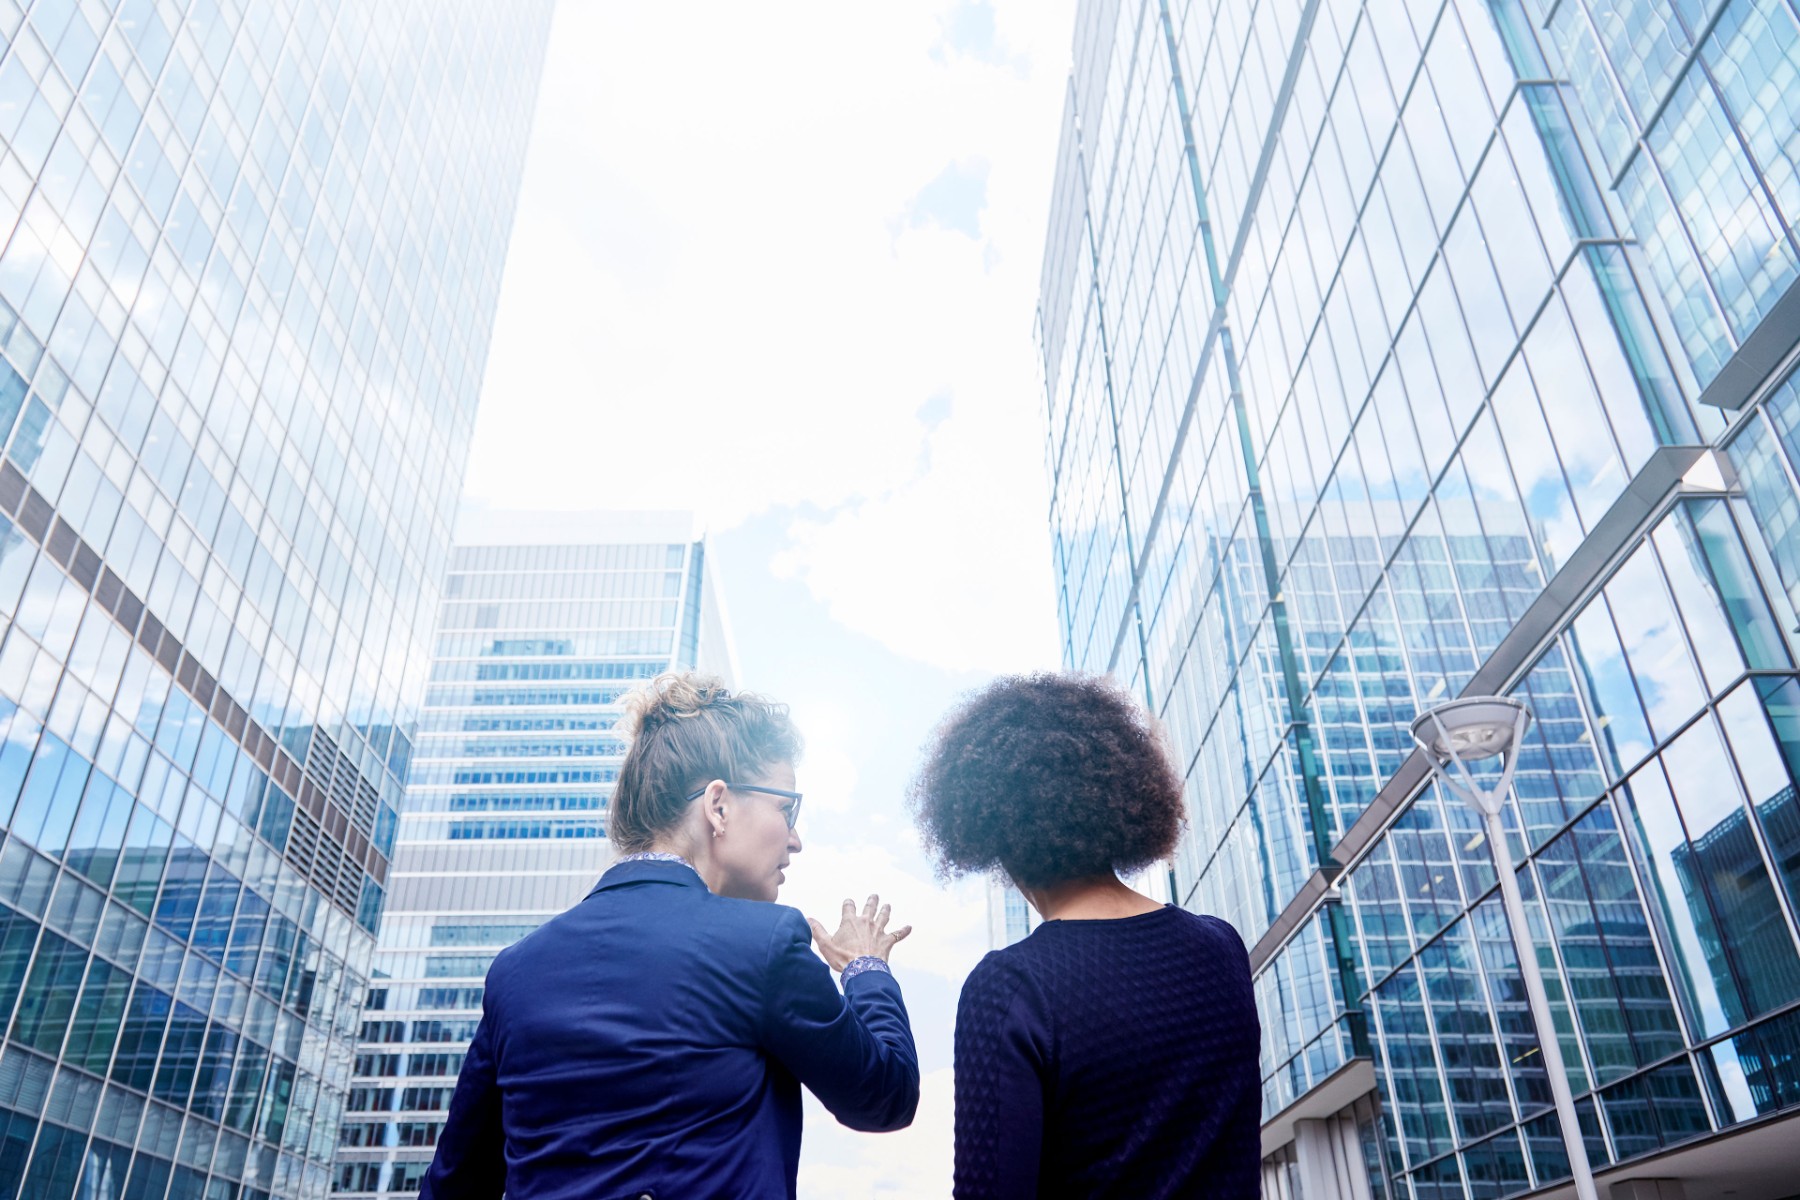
{"x": 249, "y": 257}
{"x": 548, "y": 620}
{"x": 1421, "y": 348}
{"x": 1009, "y": 917}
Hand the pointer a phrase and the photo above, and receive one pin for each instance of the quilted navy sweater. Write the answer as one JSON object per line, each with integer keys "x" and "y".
{"x": 1110, "y": 1059}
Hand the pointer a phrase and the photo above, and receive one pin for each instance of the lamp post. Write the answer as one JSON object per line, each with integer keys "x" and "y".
{"x": 1452, "y": 736}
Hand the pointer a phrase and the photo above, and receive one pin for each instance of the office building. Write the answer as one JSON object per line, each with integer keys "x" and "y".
{"x": 249, "y": 257}
{"x": 1401, "y": 351}
{"x": 548, "y": 620}
{"x": 1009, "y": 917}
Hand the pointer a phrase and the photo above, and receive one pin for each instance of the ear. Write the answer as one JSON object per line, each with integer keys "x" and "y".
{"x": 713, "y": 805}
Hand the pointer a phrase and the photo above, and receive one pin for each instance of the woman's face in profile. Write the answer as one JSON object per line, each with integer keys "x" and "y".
{"x": 753, "y": 851}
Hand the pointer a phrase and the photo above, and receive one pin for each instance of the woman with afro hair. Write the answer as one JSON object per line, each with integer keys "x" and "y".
{"x": 1113, "y": 1052}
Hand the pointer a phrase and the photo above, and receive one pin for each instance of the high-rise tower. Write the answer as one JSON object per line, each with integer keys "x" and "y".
{"x": 249, "y": 257}
{"x": 1009, "y": 917}
{"x": 548, "y": 620}
{"x": 1406, "y": 350}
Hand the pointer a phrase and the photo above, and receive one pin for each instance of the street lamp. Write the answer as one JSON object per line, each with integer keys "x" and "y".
{"x": 1452, "y": 736}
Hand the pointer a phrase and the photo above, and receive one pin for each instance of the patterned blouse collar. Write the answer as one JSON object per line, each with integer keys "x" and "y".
{"x": 654, "y": 856}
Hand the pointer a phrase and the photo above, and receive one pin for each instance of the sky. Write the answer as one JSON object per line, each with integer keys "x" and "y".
{"x": 777, "y": 264}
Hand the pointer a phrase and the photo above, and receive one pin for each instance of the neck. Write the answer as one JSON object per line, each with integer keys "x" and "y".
{"x": 1095, "y": 898}
{"x": 698, "y": 853}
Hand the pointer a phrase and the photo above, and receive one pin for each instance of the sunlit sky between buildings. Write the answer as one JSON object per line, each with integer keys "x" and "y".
{"x": 778, "y": 265}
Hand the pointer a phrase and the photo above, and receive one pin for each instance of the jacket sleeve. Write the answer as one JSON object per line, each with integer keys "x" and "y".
{"x": 470, "y": 1163}
{"x": 855, "y": 1050}
{"x": 1001, "y": 1063}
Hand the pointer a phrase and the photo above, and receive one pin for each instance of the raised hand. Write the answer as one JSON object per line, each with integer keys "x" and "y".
{"x": 859, "y": 934}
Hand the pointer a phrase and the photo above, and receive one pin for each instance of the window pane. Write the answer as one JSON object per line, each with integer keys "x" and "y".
{"x": 1654, "y": 643}
{"x": 1752, "y": 1073}
{"x": 1779, "y": 810}
{"x": 1680, "y": 906}
{"x": 1412, "y": 1065}
{"x": 1701, "y": 612}
{"x": 1623, "y": 734}
{"x": 1734, "y": 581}
{"x": 1723, "y": 855}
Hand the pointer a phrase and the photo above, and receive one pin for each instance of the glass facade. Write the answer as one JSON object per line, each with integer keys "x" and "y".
{"x": 249, "y": 256}
{"x": 505, "y": 817}
{"x": 1406, "y": 350}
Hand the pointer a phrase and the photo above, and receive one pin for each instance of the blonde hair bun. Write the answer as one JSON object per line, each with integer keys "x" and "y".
{"x": 671, "y": 696}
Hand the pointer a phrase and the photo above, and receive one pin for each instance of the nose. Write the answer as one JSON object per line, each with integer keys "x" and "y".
{"x": 793, "y": 841}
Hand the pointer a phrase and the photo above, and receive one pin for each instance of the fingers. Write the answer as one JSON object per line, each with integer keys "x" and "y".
{"x": 873, "y": 919}
{"x": 818, "y": 931}
{"x": 899, "y": 935}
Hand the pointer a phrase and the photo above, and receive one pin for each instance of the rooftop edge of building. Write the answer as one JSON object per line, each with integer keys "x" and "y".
{"x": 480, "y": 525}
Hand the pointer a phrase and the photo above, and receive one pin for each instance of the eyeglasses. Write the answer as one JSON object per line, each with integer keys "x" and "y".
{"x": 790, "y": 812}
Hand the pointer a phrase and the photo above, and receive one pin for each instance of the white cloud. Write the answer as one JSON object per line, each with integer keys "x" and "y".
{"x": 952, "y": 568}
{"x": 829, "y": 774}
{"x": 912, "y": 1164}
{"x": 720, "y": 294}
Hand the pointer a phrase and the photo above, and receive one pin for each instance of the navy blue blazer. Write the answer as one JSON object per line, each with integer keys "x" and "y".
{"x": 652, "y": 1040}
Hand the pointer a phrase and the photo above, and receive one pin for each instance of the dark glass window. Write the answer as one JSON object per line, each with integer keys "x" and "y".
{"x": 50, "y": 993}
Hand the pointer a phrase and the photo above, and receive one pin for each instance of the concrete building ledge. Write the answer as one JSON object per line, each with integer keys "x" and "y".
{"x": 1330, "y": 1096}
{"x": 1756, "y": 1161}
{"x": 1302, "y": 906}
{"x": 1764, "y": 358}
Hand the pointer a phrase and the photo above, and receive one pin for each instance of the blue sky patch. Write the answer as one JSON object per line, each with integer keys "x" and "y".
{"x": 969, "y": 29}
{"x": 935, "y": 411}
{"x": 954, "y": 199}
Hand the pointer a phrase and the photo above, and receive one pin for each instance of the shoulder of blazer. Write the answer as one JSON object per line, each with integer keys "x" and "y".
{"x": 756, "y": 933}
{"x": 756, "y": 916}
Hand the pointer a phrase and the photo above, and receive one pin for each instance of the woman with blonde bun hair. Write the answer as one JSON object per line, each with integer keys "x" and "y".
{"x": 651, "y": 1041}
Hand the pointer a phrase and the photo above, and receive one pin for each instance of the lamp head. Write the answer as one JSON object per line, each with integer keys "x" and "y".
{"x": 1472, "y": 728}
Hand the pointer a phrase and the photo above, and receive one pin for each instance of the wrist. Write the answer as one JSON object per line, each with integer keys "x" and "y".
{"x": 865, "y": 963}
